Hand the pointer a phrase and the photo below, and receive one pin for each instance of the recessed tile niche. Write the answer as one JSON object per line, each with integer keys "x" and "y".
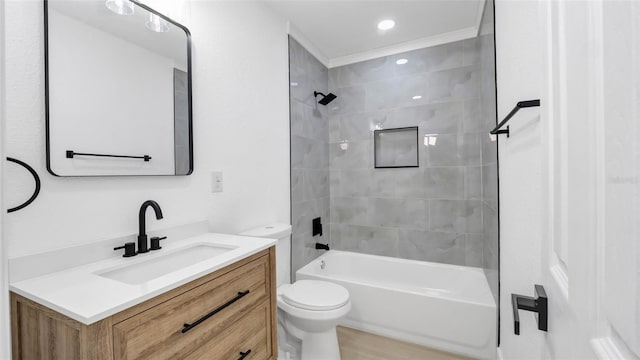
{"x": 396, "y": 148}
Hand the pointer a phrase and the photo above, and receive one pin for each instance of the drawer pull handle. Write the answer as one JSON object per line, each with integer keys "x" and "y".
{"x": 244, "y": 354}
{"x": 188, "y": 327}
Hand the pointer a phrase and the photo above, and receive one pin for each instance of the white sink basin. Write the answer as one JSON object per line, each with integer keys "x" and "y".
{"x": 154, "y": 267}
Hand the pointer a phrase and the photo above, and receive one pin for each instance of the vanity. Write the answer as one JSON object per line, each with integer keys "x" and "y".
{"x": 221, "y": 307}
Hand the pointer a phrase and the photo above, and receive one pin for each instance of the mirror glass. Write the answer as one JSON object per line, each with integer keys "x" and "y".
{"x": 118, "y": 90}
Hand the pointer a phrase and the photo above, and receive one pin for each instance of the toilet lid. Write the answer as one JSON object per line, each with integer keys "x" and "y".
{"x": 315, "y": 295}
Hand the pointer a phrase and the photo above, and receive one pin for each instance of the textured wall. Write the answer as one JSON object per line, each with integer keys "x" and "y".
{"x": 433, "y": 212}
{"x": 309, "y": 154}
{"x": 5, "y": 328}
{"x": 489, "y": 150}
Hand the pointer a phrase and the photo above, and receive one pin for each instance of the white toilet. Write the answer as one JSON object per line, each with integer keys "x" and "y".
{"x": 312, "y": 309}
{"x": 308, "y": 310}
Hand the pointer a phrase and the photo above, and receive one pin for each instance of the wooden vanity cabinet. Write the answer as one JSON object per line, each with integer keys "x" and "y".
{"x": 231, "y": 313}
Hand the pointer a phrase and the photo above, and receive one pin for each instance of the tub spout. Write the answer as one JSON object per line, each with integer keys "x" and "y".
{"x": 320, "y": 246}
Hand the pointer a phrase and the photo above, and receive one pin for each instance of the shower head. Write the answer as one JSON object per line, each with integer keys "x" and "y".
{"x": 325, "y": 98}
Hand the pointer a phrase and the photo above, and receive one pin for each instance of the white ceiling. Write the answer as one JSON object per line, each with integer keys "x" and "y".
{"x": 342, "y": 32}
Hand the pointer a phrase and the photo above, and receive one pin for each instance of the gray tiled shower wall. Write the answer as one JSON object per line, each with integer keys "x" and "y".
{"x": 433, "y": 212}
{"x": 445, "y": 210}
{"x": 309, "y": 154}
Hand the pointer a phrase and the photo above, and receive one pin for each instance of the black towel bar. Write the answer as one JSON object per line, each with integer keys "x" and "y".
{"x": 71, "y": 154}
{"x": 519, "y": 105}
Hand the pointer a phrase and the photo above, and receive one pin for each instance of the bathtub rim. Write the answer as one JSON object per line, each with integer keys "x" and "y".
{"x": 488, "y": 302}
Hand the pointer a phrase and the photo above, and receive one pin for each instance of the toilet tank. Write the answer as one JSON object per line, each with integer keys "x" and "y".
{"x": 282, "y": 232}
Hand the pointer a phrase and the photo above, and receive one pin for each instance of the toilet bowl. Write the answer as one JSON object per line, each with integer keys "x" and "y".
{"x": 308, "y": 310}
{"x": 311, "y": 311}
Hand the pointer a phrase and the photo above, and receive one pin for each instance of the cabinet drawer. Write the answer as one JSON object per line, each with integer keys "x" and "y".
{"x": 250, "y": 334}
{"x": 157, "y": 333}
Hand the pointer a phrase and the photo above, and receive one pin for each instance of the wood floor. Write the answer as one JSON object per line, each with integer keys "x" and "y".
{"x": 358, "y": 345}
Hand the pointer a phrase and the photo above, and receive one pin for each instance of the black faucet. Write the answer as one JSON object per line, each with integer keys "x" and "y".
{"x": 142, "y": 236}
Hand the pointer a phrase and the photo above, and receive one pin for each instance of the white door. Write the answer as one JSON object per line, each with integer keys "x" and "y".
{"x": 572, "y": 94}
{"x": 587, "y": 137}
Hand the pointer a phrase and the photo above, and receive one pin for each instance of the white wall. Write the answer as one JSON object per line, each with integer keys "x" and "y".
{"x": 241, "y": 58}
{"x": 241, "y": 127}
{"x": 519, "y": 70}
{"x": 5, "y": 340}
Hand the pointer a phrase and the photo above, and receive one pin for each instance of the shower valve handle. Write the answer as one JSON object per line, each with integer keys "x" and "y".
{"x": 537, "y": 304}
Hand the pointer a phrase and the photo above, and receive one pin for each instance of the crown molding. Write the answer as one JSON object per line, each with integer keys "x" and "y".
{"x": 429, "y": 41}
{"x": 307, "y": 44}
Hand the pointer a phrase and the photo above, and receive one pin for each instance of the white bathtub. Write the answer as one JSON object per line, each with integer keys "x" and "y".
{"x": 441, "y": 306}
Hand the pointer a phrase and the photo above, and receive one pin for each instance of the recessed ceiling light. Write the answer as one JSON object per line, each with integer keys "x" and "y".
{"x": 417, "y": 97}
{"x": 402, "y": 61}
{"x": 386, "y": 24}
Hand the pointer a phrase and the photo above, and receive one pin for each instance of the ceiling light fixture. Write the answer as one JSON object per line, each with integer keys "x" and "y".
{"x": 417, "y": 97}
{"x": 386, "y": 24}
{"x": 120, "y": 7}
{"x": 402, "y": 61}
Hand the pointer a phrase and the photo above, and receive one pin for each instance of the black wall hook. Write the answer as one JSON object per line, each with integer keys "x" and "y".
{"x": 35, "y": 177}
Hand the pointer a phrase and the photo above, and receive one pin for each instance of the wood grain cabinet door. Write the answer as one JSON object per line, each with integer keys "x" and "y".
{"x": 229, "y": 315}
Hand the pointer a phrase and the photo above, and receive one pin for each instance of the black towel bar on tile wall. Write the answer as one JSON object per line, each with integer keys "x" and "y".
{"x": 71, "y": 154}
{"x": 36, "y": 191}
{"x": 519, "y": 105}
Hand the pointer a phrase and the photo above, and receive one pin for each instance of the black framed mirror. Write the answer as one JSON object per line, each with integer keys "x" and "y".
{"x": 117, "y": 90}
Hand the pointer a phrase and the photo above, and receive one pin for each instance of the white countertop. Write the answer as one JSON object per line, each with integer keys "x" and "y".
{"x": 82, "y": 295}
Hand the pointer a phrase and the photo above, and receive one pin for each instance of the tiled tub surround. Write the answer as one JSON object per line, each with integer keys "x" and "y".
{"x": 309, "y": 154}
{"x": 431, "y": 213}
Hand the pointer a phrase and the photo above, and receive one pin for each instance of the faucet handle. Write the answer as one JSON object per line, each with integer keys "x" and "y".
{"x": 129, "y": 249}
{"x": 155, "y": 242}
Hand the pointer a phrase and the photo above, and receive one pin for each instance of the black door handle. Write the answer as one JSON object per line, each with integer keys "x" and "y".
{"x": 536, "y": 304}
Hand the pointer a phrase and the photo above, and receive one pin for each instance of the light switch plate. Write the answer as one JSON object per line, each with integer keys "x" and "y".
{"x": 216, "y": 181}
